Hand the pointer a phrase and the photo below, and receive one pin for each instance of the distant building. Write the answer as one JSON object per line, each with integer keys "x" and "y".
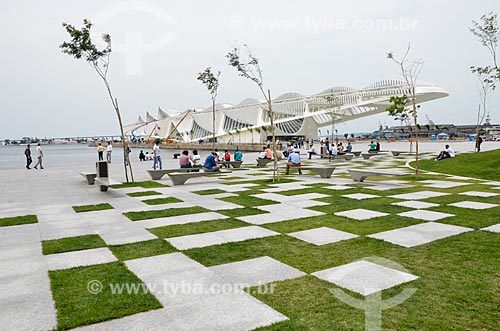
{"x": 452, "y": 130}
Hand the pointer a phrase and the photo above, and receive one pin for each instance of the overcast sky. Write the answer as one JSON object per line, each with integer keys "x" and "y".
{"x": 303, "y": 46}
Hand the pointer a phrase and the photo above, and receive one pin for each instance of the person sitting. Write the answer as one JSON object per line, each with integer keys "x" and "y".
{"x": 238, "y": 155}
{"x": 227, "y": 156}
{"x": 377, "y": 146}
{"x": 373, "y": 147}
{"x": 263, "y": 154}
{"x": 340, "y": 149}
{"x": 195, "y": 159}
{"x": 211, "y": 164}
{"x": 348, "y": 148}
{"x": 293, "y": 161}
{"x": 448, "y": 152}
{"x": 334, "y": 151}
{"x": 269, "y": 154}
{"x": 142, "y": 157}
{"x": 311, "y": 151}
{"x": 184, "y": 160}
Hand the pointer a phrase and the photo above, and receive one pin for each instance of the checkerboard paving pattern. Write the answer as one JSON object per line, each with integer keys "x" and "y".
{"x": 361, "y": 214}
{"x": 322, "y": 236}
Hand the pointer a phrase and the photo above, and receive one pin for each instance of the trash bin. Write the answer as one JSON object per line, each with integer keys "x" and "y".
{"x": 101, "y": 169}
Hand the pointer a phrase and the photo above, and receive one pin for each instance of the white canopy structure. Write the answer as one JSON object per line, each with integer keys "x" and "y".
{"x": 295, "y": 114}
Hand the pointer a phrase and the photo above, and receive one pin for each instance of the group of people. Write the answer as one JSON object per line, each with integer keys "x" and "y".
{"x": 374, "y": 147}
{"x": 29, "y": 159}
{"x": 101, "y": 149}
{"x": 212, "y": 162}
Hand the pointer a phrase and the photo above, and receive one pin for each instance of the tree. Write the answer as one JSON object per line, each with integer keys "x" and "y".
{"x": 81, "y": 46}
{"x": 409, "y": 72}
{"x": 211, "y": 81}
{"x": 488, "y": 33}
{"x": 484, "y": 90}
{"x": 250, "y": 69}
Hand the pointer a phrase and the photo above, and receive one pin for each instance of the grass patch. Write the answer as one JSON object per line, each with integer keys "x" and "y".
{"x": 77, "y": 306}
{"x": 72, "y": 244}
{"x": 195, "y": 228}
{"x": 209, "y": 191}
{"x": 477, "y": 165}
{"x": 239, "y": 212}
{"x": 161, "y": 201}
{"x": 18, "y": 220}
{"x": 146, "y": 215}
{"x": 142, "y": 249}
{"x": 231, "y": 178}
{"x": 87, "y": 208}
{"x": 249, "y": 201}
{"x": 143, "y": 194}
{"x": 145, "y": 184}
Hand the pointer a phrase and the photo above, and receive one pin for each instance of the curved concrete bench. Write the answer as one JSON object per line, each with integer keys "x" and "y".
{"x": 89, "y": 177}
{"x": 355, "y": 153}
{"x": 323, "y": 172}
{"x": 179, "y": 178}
{"x": 158, "y": 174}
{"x": 264, "y": 162}
{"x": 228, "y": 164}
{"x": 105, "y": 182}
{"x": 396, "y": 153}
{"x": 359, "y": 175}
{"x": 367, "y": 156}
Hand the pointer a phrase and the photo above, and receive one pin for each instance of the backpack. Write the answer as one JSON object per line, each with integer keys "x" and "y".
{"x": 227, "y": 157}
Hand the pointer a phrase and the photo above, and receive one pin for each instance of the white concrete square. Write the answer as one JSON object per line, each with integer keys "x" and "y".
{"x": 258, "y": 271}
{"x": 418, "y": 195}
{"x": 415, "y": 204}
{"x": 365, "y": 277}
{"x": 442, "y": 183}
{"x": 473, "y": 205}
{"x": 361, "y": 214}
{"x": 425, "y": 215}
{"x": 492, "y": 228}
{"x": 80, "y": 258}
{"x": 360, "y": 196}
{"x": 420, "y": 234}
{"x": 480, "y": 194}
{"x": 338, "y": 187}
{"x": 322, "y": 236}
{"x": 220, "y": 237}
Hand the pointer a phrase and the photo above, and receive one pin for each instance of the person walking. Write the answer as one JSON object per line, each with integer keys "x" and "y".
{"x": 39, "y": 153}
{"x": 100, "y": 151}
{"x": 156, "y": 155}
{"x": 27, "y": 153}
{"x": 109, "y": 150}
{"x": 479, "y": 141}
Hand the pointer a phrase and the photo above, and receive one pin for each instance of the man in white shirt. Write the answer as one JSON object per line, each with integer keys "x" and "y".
{"x": 447, "y": 153}
{"x": 156, "y": 155}
{"x": 40, "y": 156}
{"x": 109, "y": 149}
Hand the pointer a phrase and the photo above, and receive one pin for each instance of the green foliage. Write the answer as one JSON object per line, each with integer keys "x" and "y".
{"x": 210, "y": 80}
{"x": 488, "y": 33}
{"x": 143, "y": 193}
{"x": 161, "y": 201}
{"x": 398, "y": 108}
{"x": 142, "y": 249}
{"x": 196, "y": 228}
{"x": 146, "y": 215}
{"x": 249, "y": 69}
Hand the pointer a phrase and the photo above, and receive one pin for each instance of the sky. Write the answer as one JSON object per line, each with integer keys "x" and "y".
{"x": 160, "y": 46}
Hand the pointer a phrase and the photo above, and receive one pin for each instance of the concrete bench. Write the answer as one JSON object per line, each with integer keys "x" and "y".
{"x": 264, "y": 162}
{"x": 228, "y": 164}
{"x": 179, "y": 178}
{"x": 105, "y": 182}
{"x": 358, "y": 153}
{"x": 347, "y": 157}
{"x": 359, "y": 175}
{"x": 396, "y": 153}
{"x": 89, "y": 177}
{"x": 367, "y": 156}
{"x": 323, "y": 172}
{"x": 158, "y": 174}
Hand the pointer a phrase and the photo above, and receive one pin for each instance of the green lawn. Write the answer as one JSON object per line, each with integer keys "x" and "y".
{"x": 145, "y": 215}
{"x": 18, "y": 220}
{"x": 145, "y": 184}
{"x": 249, "y": 201}
{"x": 86, "y": 208}
{"x": 483, "y": 165}
{"x": 75, "y": 304}
{"x": 142, "y": 249}
{"x": 72, "y": 244}
{"x": 209, "y": 191}
{"x": 161, "y": 201}
{"x": 195, "y": 228}
{"x": 143, "y": 193}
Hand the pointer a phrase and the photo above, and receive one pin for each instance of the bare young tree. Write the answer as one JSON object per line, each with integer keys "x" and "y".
{"x": 81, "y": 46}
{"x": 484, "y": 90}
{"x": 410, "y": 70}
{"x": 211, "y": 81}
{"x": 250, "y": 68}
{"x": 488, "y": 33}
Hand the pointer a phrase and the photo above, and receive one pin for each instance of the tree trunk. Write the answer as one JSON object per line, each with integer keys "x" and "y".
{"x": 213, "y": 125}
{"x": 415, "y": 116}
{"x": 125, "y": 154}
{"x": 477, "y": 128}
{"x": 271, "y": 116}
